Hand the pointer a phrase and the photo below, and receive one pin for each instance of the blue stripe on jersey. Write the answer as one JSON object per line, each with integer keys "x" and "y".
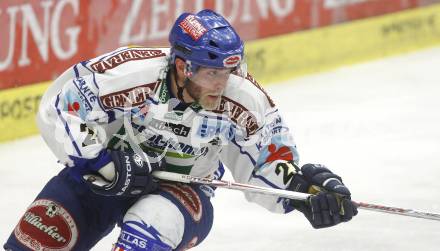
{"x": 84, "y": 64}
{"x": 75, "y": 69}
{"x": 214, "y": 117}
{"x": 155, "y": 102}
{"x": 111, "y": 116}
{"x": 265, "y": 180}
{"x": 218, "y": 174}
{"x": 66, "y": 126}
{"x": 79, "y": 89}
{"x": 243, "y": 152}
{"x": 271, "y": 112}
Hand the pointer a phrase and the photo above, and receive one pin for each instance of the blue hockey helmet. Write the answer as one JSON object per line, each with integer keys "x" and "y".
{"x": 205, "y": 39}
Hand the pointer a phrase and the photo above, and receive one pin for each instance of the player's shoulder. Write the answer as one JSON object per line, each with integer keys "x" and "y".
{"x": 248, "y": 93}
{"x": 128, "y": 67}
{"x": 245, "y": 102}
{"x": 128, "y": 59}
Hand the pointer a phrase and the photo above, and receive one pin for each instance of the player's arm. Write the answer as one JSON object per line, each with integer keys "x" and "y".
{"x": 70, "y": 119}
{"x": 272, "y": 162}
{"x": 75, "y": 127}
{"x": 259, "y": 158}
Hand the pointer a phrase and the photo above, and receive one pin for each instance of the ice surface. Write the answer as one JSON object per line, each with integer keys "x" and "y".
{"x": 376, "y": 124}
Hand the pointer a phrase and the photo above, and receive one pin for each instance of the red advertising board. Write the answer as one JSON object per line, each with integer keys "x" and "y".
{"x": 40, "y": 39}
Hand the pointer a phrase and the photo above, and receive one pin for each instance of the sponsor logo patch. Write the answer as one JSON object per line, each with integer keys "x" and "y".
{"x": 47, "y": 226}
{"x": 173, "y": 147}
{"x": 272, "y": 128}
{"x": 177, "y": 116}
{"x": 187, "y": 197}
{"x": 193, "y": 27}
{"x": 177, "y": 129}
{"x": 212, "y": 128}
{"x": 279, "y": 153}
{"x": 125, "y": 56}
{"x": 88, "y": 98}
{"x": 232, "y": 61}
{"x": 73, "y": 108}
{"x": 238, "y": 114}
{"x": 130, "y": 241}
{"x": 129, "y": 98}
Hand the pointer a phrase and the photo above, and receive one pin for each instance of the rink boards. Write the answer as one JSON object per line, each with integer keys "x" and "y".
{"x": 283, "y": 57}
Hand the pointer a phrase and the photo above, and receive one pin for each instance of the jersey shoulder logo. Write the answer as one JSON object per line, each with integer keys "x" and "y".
{"x": 122, "y": 57}
{"x": 129, "y": 98}
{"x": 238, "y": 114}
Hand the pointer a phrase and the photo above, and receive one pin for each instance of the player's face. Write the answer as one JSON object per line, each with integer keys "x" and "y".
{"x": 208, "y": 85}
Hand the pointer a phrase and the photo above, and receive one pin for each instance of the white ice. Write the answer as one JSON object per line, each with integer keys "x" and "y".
{"x": 376, "y": 124}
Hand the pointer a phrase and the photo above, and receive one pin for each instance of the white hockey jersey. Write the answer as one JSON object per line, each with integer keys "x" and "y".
{"x": 122, "y": 100}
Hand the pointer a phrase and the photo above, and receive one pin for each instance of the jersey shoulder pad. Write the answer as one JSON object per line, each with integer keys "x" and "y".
{"x": 128, "y": 73}
{"x": 128, "y": 58}
{"x": 250, "y": 93}
{"x": 245, "y": 102}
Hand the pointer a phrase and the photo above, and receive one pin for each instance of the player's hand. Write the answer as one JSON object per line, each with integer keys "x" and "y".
{"x": 127, "y": 174}
{"x": 331, "y": 203}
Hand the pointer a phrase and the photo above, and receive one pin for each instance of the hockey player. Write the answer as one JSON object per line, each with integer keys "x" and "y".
{"x": 113, "y": 120}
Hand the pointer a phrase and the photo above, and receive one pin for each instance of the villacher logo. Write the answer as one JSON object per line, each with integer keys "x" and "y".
{"x": 47, "y": 226}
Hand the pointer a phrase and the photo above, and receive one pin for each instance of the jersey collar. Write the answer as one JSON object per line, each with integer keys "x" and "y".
{"x": 166, "y": 95}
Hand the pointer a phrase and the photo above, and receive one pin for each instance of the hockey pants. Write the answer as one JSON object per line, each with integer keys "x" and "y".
{"x": 67, "y": 215}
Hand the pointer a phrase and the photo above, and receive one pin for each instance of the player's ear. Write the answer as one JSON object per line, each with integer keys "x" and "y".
{"x": 180, "y": 67}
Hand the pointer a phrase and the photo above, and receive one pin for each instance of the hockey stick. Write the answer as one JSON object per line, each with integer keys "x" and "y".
{"x": 184, "y": 178}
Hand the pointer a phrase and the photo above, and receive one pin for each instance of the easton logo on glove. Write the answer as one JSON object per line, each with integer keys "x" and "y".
{"x": 132, "y": 175}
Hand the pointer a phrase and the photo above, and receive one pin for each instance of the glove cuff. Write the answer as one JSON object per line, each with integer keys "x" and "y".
{"x": 299, "y": 184}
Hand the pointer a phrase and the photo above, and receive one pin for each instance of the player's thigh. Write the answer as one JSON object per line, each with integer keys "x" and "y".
{"x": 178, "y": 215}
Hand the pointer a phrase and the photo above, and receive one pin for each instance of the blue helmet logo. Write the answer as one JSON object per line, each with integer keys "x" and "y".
{"x": 206, "y": 39}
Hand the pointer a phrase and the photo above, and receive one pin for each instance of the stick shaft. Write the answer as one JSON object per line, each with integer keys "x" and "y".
{"x": 184, "y": 178}
{"x": 399, "y": 211}
{"x": 230, "y": 185}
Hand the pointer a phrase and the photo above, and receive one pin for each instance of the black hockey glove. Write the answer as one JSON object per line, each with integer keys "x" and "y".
{"x": 331, "y": 203}
{"x": 132, "y": 175}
